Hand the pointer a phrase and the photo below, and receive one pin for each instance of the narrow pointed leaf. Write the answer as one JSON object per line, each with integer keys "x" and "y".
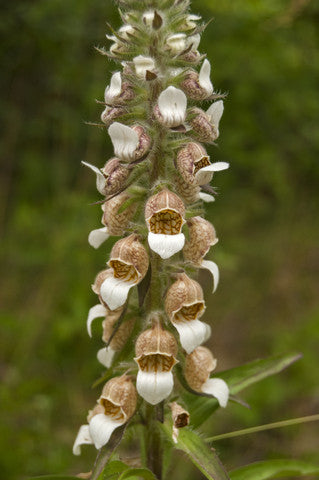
{"x": 274, "y": 469}
{"x": 237, "y": 379}
{"x": 203, "y": 457}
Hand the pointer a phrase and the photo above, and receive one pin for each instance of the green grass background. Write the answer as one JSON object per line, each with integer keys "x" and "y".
{"x": 265, "y": 54}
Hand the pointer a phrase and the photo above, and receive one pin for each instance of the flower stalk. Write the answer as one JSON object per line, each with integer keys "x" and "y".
{"x": 153, "y": 190}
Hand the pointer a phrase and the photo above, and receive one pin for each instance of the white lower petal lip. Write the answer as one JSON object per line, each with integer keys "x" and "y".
{"x": 206, "y": 197}
{"x": 95, "y": 312}
{"x": 218, "y": 388}
{"x": 166, "y": 245}
{"x": 105, "y": 356}
{"x": 101, "y": 428}
{"x": 154, "y": 386}
{"x": 114, "y": 89}
{"x": 192, "y": 333}
{"x": 100, "y": 180}
{"x": 213, "y": 269}
{"x": 114, "y": 292}
{"x": 215, "y": 112}
{"x": 125, "y": 140}
{"x": 216, "y": 167}
{"x": 83, "y": 438}
{"x": 98, "y": 236}
{"x": 172, "y": 104}
{"x": 204, "y": 78}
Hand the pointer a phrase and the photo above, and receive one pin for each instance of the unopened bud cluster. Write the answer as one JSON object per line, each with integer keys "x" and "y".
{"x": 153, "y": 188}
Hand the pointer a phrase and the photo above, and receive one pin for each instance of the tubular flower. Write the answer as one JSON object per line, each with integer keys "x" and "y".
{"x": 198, "y": 86}
{"x": 191, "y": 193}
{"x": 184, "y": 305}
{"x": 111, "y": 177}
{"x": 130, "y": 143}
{"x": 110, "y": 113}
{"x": 116, "y": 405}
{"x": 198, "y": 366}
{"x": 164, "y": 216}
{"x": 115, "y": 339}
{"x": 156, "y": 351}
{"x": 118, "y": 92}
{"x": 202, "y": 236}
{"x": 179, "y": 42}
{"x": 115, "y": 224}
{"x": 171, "y": 108}
{"x": 128, "y": 265}
{"x": 194, "y": 166}
{"x": 205, "y": 125}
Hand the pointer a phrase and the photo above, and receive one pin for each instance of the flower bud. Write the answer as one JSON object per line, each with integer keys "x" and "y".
{"x": 142, "y": 65}
{"x": 130, "y": 143}
{"x": 171, "y": 108}
{"x": 206, "y": 124}
{"x": 184, "y": 305}
{"x": 129, "y": 264}
{"x": 202, "y": 236}
{"x": 177, "y": 43}
{"x": 180, "y": 418}
{"x": 190, "y": 22}
{"x": 164, "y": 216}
{"x": 156, "y": 351}
{"x": 109, "y": 114}
{"x": 115, "y": 223}
{"x": 198, "y": 366}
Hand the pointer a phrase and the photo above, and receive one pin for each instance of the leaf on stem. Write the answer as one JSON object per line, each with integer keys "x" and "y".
{"x": 203, "y": 457}
{"x": 274, "y": 469}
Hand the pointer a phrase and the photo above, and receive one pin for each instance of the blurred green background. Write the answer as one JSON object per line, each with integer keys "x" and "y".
{"x": 265, "y": 54}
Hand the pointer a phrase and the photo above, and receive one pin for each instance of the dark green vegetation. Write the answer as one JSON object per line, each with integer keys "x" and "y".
{"x": 265, "y": 54}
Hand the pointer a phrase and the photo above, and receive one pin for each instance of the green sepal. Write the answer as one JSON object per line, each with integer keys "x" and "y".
{"x": 274, "y": 469}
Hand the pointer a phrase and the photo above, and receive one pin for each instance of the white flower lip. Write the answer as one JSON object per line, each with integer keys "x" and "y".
{"x": 154, "y": 386}
{"x": 101, "y": 427}
{"x": 105, "y": 356}
{"x": 192, "y": 333}
{"x": 95, "y": 312}
{"x": 114, "y": 89}
{"x": 142, "y": 64}
{"x": 205, "y": 174}
{"x": 98, "y": 236}
{"x": 114, "y": 291}
{"x": 148, "y": 17}
{"x": 166, "y": 245}
{"x": 172, "y": 104}
{"x": 100, "y": 180}
{"x": 204, "y": 78}
{"x": 212, "y": 267}
{"x": 205, "y": 197}
{"x": 125, "y": 140}
{"x": 194, "y": 40}
{"x": 218, "y": 388}
{"x": 177, "y": 42}
{"x": 215, "y": 112}
{"x": 83, "y": 438}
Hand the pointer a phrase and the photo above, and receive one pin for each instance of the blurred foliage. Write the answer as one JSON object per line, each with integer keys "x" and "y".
{"x": 265, "y": 54}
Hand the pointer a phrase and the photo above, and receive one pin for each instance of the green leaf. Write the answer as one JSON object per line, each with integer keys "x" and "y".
{"x": 54, "y": 477}
{"x": 198, "y": 452}
{"x": 138, "y": 472}
{"x": 114, "y": 469}
{"x": 237, "y": 378}
{"x": 274, "y": 469}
